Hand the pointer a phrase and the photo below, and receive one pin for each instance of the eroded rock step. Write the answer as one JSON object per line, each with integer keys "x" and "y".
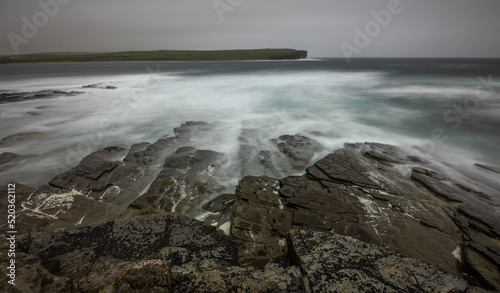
{"x": 174, "y": 253}
{"x": 22, "y": 96}
{"x": 116, "y": 182}
{"x": 378, "y": 194}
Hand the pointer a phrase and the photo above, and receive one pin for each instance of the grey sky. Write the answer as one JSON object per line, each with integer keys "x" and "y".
{"x": 423, "y": 28}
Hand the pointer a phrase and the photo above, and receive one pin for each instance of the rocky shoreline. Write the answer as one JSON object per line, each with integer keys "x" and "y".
{"x": 10, "y": 96}
{"x": 13, "y": 96}
{"x": 368, "y": 217}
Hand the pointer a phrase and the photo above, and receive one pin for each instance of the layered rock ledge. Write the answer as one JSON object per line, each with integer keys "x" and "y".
{"x": 9, "y": 97}
{"x": 173, "y": 253}
{"x": 369, "y": 217}
{"x": 378, "y": 194}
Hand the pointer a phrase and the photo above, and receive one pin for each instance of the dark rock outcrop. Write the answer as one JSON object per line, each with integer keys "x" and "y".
{"x": 220, "y": 203}
{"x": 298, "y": 149}
{"x": 115, "y": 182}
{"x": 22, "y": 192}
{"x": 298, "y": 54}
{"x": 276, "y": 157}
{"x": 173, "y": 253}
{"x": 160, "y": 253}
{"x": 32, "y": 276}
{"x": 186, "y": 180}
{"x": 8, "y": 159}
{"x": 100, "y": 85}
{"x": 22, "y": 96}
{"x": 378, "y": 194}
{"x": 259, "y": 224}
{"x": 333, "y": 263}
{"x": 21, "y": 137}
{"x": 139, "y": 252}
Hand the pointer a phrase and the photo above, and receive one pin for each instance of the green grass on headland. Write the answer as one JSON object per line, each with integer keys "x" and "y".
{"x": 166, "y": 55}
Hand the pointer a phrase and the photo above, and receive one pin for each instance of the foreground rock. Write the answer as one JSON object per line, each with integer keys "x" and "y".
{"x": 259, "y": 222}
{"x": 139, "y": 252}
{"x": 378, "y": 194}
{"x": 173, "y": 253}
{"x": 168, "y": 253}
{"x": 333, "y": 263}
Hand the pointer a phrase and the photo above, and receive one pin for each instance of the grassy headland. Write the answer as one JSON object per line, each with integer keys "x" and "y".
{"x": 164, "y": 55}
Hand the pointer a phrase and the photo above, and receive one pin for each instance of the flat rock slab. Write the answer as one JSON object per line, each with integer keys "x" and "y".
{"x": 298, "y": 149}
{"x": 378, "y": 194}
{"x": 94, "y": 256}
{"x": 22, "y": 96}
{"x": 259, "y": 224}
{"x": 334, "y": 263}
{"x": 277, "y": 156}
{"x": 116, "y": 182}
{"x": 188, "y": 178}
{"x": 20, "y": 138}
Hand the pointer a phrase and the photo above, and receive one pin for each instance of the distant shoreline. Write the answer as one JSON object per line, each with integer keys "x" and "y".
{"x": 161, "y": 55}
{"x": 132, "y": 61}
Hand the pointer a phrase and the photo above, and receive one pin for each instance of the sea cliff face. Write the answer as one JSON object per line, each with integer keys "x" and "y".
{"x": 165, "y": 55}
{"x": 368, "y": 217}
{"x": 299, "y": 54}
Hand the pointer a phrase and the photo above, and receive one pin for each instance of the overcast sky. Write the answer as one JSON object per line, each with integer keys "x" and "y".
{"x": 421, "y": 28}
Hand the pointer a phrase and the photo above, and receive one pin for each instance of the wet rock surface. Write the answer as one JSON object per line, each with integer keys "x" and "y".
{"x": 20, "y": 137}
{"x": 99, "y": 85}
{"x": 174, "y": 253}
{"x": 31, "y": 276}
{"x": 220, "y": 203}
{"x": 378, "y": 194}
{"x": 333, "y": 263}
{"x": 23, "y": 96}
{"x": 277, "y": 156}
{"x": 126, "y": 252}
{"x": 8, "y": 160}
{"x": 113, "y": 222}
{"x": 186, "y": 180}
{"x": 259, "y": 224}
{"x": 115, "y": 182}
{"x": 298, "y": 149}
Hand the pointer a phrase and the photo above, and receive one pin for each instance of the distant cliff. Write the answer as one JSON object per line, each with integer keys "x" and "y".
{"x": 298, "y": 54}
{"x": 160, "y": 55}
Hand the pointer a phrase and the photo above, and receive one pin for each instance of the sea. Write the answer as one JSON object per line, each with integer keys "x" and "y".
{"x": 445, "y": 109}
